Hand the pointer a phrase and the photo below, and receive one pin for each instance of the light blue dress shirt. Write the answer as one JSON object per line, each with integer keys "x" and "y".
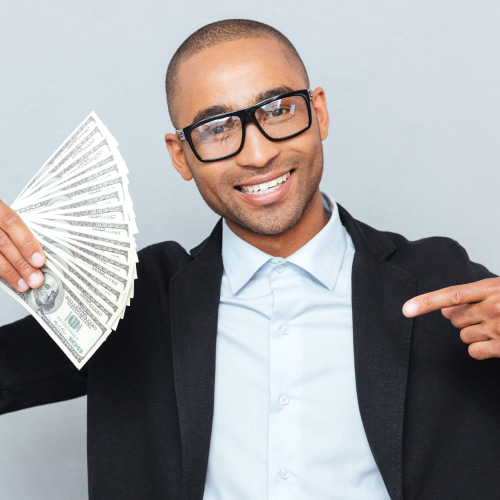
{"x": 286, "y": 420}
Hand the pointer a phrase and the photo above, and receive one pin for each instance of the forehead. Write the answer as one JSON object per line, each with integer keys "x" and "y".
{"x": 232, "y": 75}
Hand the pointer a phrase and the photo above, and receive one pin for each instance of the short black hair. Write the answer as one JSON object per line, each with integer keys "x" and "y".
{"x": 218, "y": 33}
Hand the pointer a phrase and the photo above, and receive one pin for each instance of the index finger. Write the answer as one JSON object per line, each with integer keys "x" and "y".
{"x": 450, "y": 296}
{"x": 20, "y": 235}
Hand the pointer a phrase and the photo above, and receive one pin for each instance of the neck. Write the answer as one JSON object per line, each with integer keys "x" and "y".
{"x": 313, "y": 220}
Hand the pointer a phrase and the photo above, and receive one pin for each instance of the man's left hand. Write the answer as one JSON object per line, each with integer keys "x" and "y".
{"x": 474, "y": 308}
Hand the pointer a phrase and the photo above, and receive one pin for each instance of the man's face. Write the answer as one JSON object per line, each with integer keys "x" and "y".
{"x": 229, "y": 77}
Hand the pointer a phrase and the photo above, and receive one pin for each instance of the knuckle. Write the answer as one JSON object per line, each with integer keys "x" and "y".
{"x": 22, "y": 265}
{"x": 427, "y": 302}
{"x": 496, "y": 348}
{"x": 4, "y": 239}
{"x": 496, "y": 307}
{"x": 494, "y": 289}
{"x": 10, "y": 275}
{"x": 27, "y": 246}
{"x": 496, "y": 329}
{"x": 455, "y": 296}
{"x": 27, "y": 241}
{"x": 10, "y": 219}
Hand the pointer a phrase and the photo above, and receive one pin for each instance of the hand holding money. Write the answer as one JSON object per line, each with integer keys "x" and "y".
{"x": 67, "y": 246}
{"x": 21, "y": 255}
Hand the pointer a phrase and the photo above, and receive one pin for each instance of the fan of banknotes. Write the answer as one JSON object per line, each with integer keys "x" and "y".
{"x": 79, "y": 208}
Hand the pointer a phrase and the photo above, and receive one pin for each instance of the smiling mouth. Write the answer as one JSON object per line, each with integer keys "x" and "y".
{"x": 265, "y": 187}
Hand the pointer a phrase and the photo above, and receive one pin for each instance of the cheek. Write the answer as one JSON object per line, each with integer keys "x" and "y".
{"x": 210, "y": 187}
{"x": 211, "y": 178}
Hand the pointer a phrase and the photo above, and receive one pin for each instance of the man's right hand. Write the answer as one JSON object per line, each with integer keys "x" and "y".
{"x": 21, "y": 255}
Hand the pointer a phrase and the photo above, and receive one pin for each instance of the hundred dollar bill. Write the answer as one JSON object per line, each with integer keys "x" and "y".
{"x": 66, "y": 146}
{"x": 90, "y": 257}
{"x": 105, "y": 170}
{"x": 91, "y": 226}
{"x": 79, "y": 208}
{"x": 105, "y": 295}
{"x": 93, "y": 145}
{"x": 113, "y": 251}
{"x": 63, "y": 316}
{"x": 114, "y": 275}
{"x": 76, "y": 235}
{"x": 109, "y": 195}
{"x": 88, "y": 190}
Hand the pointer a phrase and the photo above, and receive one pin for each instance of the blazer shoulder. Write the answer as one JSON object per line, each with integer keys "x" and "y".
{"x": 439, "y": 256}
{"x": 400, "y": 249}
{"x": 441, "y": 244}
{"x": 164, "y": 258}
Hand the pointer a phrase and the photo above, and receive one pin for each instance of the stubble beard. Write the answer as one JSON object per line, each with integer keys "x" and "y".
{"x": 276, "y": 218}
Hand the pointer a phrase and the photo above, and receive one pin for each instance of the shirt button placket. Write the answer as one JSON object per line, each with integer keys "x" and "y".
{"x": 284, "y": 473}
{"x": 281, "y": 416}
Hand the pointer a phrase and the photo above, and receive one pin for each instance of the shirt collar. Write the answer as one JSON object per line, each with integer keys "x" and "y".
{"x": 321, "y": 256}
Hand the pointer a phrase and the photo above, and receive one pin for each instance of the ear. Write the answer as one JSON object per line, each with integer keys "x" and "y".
{"x": 319, "y": 104}
{"x": 177, "y": 156}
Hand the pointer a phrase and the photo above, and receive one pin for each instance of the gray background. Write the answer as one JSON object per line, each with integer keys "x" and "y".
{"x": 414, "y": 142}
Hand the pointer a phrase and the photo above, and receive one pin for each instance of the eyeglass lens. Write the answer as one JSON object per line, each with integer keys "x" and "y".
{"x": 278, "y": 119}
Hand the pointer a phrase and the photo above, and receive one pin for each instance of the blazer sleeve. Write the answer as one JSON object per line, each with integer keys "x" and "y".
{"x": 33, "y": 369}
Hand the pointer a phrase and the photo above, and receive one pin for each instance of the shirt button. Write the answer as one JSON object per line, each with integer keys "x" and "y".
{"x": 284, "y": 400}
{"x": 285, "y": 330}
{"x": 280, "y": 268}
{"x": 284, "y": 473}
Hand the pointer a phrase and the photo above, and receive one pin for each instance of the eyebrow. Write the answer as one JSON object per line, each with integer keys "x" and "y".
{"x": 220, "y": 109}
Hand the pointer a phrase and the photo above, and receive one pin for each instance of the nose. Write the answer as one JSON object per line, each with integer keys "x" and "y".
{"x": 257, "y": 151}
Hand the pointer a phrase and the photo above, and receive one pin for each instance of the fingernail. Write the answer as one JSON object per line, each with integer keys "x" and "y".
{"x": 35, "y": 279}
{"x": 411, "y": 308}
{"x": 22, "y": 285}
{"x": 37, "y": 259}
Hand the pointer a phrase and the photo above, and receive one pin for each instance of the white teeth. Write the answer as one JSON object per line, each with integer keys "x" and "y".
{"x": 265, "y": 187}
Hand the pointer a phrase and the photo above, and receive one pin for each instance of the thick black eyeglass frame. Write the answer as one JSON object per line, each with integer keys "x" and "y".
{"x": 247, "y": 115}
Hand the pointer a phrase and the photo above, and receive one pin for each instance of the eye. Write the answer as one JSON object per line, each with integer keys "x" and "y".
{"x": 278, "y": 112}
{"x": 218, "y": 129}
{"x": 280, "y": 109}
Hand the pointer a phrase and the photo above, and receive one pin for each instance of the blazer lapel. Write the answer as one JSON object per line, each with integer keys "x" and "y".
{"x": 194, "y": 303}
{"x": 382, "y": 337}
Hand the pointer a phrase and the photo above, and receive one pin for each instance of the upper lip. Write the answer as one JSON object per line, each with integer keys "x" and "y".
{"x": 264, "y": 178}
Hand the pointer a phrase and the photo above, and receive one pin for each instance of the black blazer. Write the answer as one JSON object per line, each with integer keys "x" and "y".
{"x": 431, "y": 413}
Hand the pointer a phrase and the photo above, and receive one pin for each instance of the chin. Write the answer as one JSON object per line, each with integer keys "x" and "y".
{"x": 277, "y": 222}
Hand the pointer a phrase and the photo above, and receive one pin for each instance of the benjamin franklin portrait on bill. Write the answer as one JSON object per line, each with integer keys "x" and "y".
{"x": 48, "y": 298}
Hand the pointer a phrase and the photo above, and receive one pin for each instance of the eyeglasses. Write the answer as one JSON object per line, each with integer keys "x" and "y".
{"x": 222, "y": 136}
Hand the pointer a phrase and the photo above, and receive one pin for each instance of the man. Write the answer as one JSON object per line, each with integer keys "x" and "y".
{"x": 274, "y": 361}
